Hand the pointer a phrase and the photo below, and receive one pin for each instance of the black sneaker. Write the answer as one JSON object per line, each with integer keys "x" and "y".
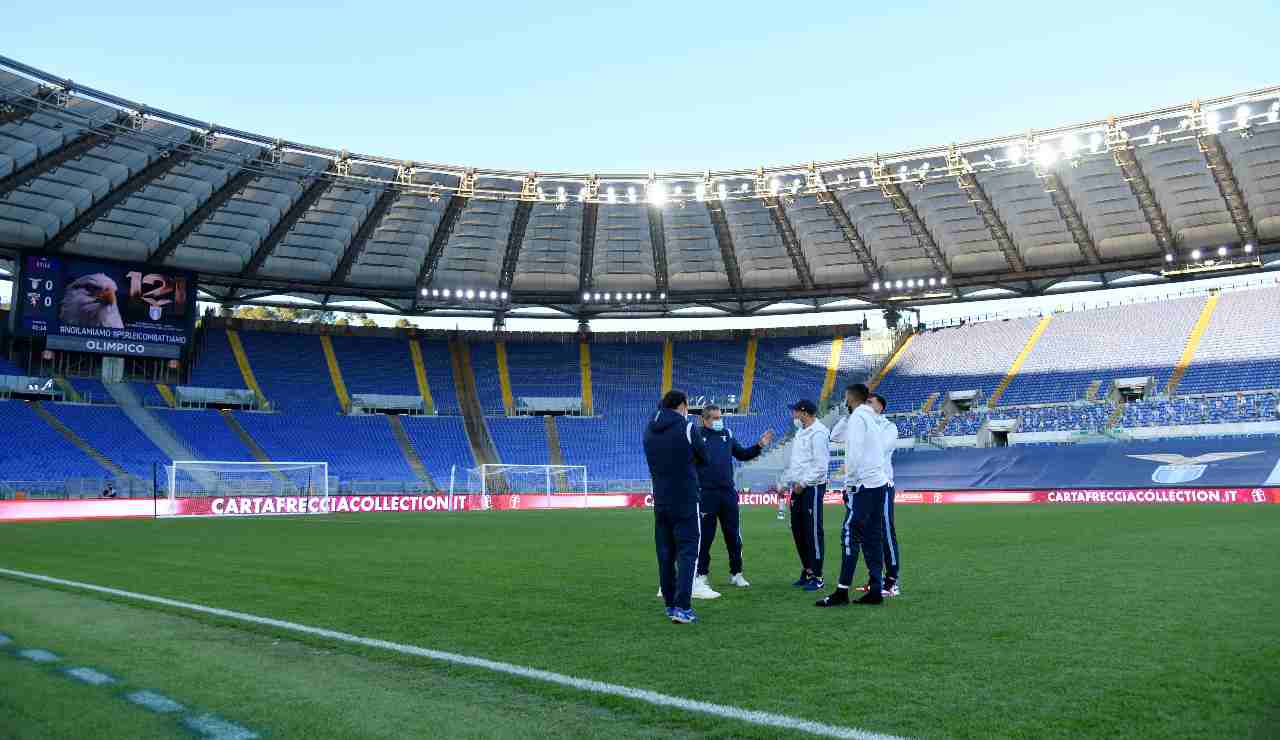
{"x": 802, "y": 580}
{"x": 871, "y": 597}
{"x": 839, "y": 598}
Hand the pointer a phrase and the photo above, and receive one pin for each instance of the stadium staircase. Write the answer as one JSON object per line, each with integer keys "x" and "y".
{"x": 504, "y": 379}
{"x": 1019, "y": 361}
{"x": 420, "y": 373}
{"x": 464, "y": 383}
{"x": 159, "y": 434}
{"x": 833, "y": 367}
{"x": 68, "y": 390}
{"x": 1114, "y": 419}
{"x": 167, "y": 394}
{"x": 1091, "y": 393}
{"x": 335, "y": 374}
{"x": 668, "y": 364}
{"x": 748, "y": 376}
{"x": 555, "y": 451}
{"x": 584, "y": 368}
{"x": 1193, "y": 344}
{"x": 75, "y": 439}
{"x": 927, "y": 406}
{"x": 246, "y": 370}
{"x": 887, "y": 366}
{"x": 250, "y": 443}
{"x": 410, "y": 454}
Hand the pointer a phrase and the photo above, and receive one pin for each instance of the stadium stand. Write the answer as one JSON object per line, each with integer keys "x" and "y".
{"x": 291, "y": 370}
{"x": 111, "y": 433}
{"x": 521, "y": 440}
{"x": 357, "y": 448}
{"x": 441, "y": 443}
{"x": 484, "y": 365}
{"x": 376, "y": 365}
{"x": 206, "y": 434}
{"x": 544, "y": 369}
{"x": 708, "y": 368}
{"x": 1241, "y": 348}
{"x": 973, "y": 357}
{"x": 215, "y": 365}
{"x": 59, "y": 458}
{"x": 1082, "y": 346}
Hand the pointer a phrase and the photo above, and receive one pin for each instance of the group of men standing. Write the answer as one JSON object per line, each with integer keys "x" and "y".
{"x": 691, "y": 465}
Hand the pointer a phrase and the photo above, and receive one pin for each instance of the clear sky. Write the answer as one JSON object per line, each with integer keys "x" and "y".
{"x": 649, "y": 85}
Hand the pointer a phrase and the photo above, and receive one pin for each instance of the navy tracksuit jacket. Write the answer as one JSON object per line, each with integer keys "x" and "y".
{"x": 672, "y": 445}
{"x": 720, "y": 495}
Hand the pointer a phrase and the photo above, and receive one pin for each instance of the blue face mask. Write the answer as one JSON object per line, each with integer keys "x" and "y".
{"x": 718, "y": 425}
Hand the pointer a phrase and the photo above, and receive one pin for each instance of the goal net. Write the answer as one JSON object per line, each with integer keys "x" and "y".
{"x": 528, "y": 480}
{"x": 204, "y": 478}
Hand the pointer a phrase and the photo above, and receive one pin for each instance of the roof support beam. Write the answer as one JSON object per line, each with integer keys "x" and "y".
{"x": 960, "y": 168}
{"x": 438, "y": 240}
{"x": 140, "y": 180}
{"x": 55, "y": 159}
{"x": 788, "y": 235}
{"x": 1224, "y": 176}
{"x": 362, "y": 235}
{"x": 519, "y": 225}
{"x": 229, "y": 190}
{"x": 891, "y": 190}
{"x": 590, "y": 215}
{"x": 1057, "y": 191}
{"x": 16, "y": 110}
{"x": 727, "y": 251}
{"x": 658, "y": 237}
{"x": 313, "y": 192}
{"x": 837, "y": 211}
{"x": 1126, "y": 158}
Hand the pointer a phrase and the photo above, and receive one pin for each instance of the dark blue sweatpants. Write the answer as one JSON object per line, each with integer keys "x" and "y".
{"x": 866, "y": 512}
{"x": 676, "y": 538}
{"x": 722, "y": 506}
{"x": 890, "y": 538}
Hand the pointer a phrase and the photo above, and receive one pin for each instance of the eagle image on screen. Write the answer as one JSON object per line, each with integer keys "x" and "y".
{"x": 91, "y": 301}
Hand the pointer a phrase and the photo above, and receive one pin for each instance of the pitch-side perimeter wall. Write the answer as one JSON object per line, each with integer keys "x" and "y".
{"x": 294, "y": 505}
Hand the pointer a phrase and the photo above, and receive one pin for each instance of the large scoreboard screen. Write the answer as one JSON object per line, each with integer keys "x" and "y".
{"x": 111, "y": 308}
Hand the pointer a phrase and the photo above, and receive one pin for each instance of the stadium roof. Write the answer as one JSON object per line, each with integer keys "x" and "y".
{"x": 1181, "y": 191}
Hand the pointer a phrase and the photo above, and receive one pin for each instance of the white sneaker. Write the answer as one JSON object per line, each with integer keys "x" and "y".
{"x": 659, "y": 592}
{"x": 737, "y": 580}
{"x": 781, "y": 515}
{"x": 702, "y": 591}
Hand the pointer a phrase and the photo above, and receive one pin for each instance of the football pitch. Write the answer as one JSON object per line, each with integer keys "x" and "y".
{"x": 1015, "y": 621}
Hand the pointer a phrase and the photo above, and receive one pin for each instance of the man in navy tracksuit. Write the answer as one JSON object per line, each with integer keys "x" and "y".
{"x": 672, "y": 447}
{"x": 720, "y": 497}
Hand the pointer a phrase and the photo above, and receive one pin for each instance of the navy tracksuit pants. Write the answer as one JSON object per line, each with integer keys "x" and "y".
{"x": 890, "y": 539}
{"x": 866, "y": 512}
{"x": 720, "y": 505}
{"x": 676, "y": 538}
{"x": 806, "y": 527}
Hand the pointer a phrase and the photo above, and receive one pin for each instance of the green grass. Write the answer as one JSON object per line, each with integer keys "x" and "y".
{"x": 1016, "y": 621}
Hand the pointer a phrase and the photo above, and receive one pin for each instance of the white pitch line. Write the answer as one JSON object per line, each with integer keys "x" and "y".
{"x": 764, "y": 719}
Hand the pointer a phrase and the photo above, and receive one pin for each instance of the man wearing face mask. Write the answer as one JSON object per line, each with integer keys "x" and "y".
{"x": 720, "y": 497}
{"x": 806, "y": 477}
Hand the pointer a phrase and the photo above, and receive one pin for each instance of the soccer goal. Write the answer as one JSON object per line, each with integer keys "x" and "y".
{"x": 194, "y": 479}
{"x": 523, "y": 480}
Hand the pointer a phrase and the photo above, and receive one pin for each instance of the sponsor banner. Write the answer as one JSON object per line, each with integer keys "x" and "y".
{"x": 41, "y": 510}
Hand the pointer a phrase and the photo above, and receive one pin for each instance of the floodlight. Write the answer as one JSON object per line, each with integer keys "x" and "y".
{"x": 899, "y": 284}
{"x": 631, "y": 193}
{"x": 1195, "y": 254}
{"x": 424, "y": 291}
{"x": 875, "y": 286}
{"x": 1070, "y": 144}
{"x": 435, "y": 292}
{"x": 744, "y": 188}
{"x": 679, "y": 190}
{"x": 1222, "y": 251}
{"x": 658, "y": 194}
{"x": 1248, "y": 249}
{"x": 933, "y": 281}
{"x": 722, "y": 190}
{"x": 582, "y": 194}
{"x": 1014, "y": 153}
{"x": 1153, "y": 136}
{"x": 1273, "y": 115}
{"x": 445, "y": 292}
{"x": 662, "y": 296}
{"x": 1095, "y": 141}
{"x": 611, "y": 195}
{"x": 1211, "y": 121}
{"x": 1242, "y": 116}
{"x": 648, "y": 296}
{"x": 795, "y": 185}
{"x": 560, "y": 194}
{"x": 942, "y": 280}
{"x": 774, "y": 186}
{"x": 700, "y": 191}
{"x": 1168, "y": 257}
{"x": 1047, "y": 155}
{"x": 504, "y": 295}
{"x": 470, "y": 294}
{"x": 586, "y": 297}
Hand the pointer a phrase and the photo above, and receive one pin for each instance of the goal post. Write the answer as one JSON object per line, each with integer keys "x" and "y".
{"x": 227, "y": 478}
{"x": 549, "y": 480}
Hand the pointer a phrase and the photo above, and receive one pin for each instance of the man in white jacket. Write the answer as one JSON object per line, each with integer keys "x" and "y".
{"x": 865, "y": 508}
{"x": 806, "y": 477}
{"x": 889, "y": 430}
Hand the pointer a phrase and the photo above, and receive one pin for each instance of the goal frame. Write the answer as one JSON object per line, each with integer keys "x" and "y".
{"x": 319, "y": 488}
{"x": 548, "y": 471}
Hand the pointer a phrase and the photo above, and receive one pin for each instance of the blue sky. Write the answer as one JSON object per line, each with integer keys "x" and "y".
{"x": 652, "y": 85}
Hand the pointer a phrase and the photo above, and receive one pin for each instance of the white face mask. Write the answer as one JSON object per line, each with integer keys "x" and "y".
{"x": 797, "y": 424}
{"x": 718, "y": 425}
